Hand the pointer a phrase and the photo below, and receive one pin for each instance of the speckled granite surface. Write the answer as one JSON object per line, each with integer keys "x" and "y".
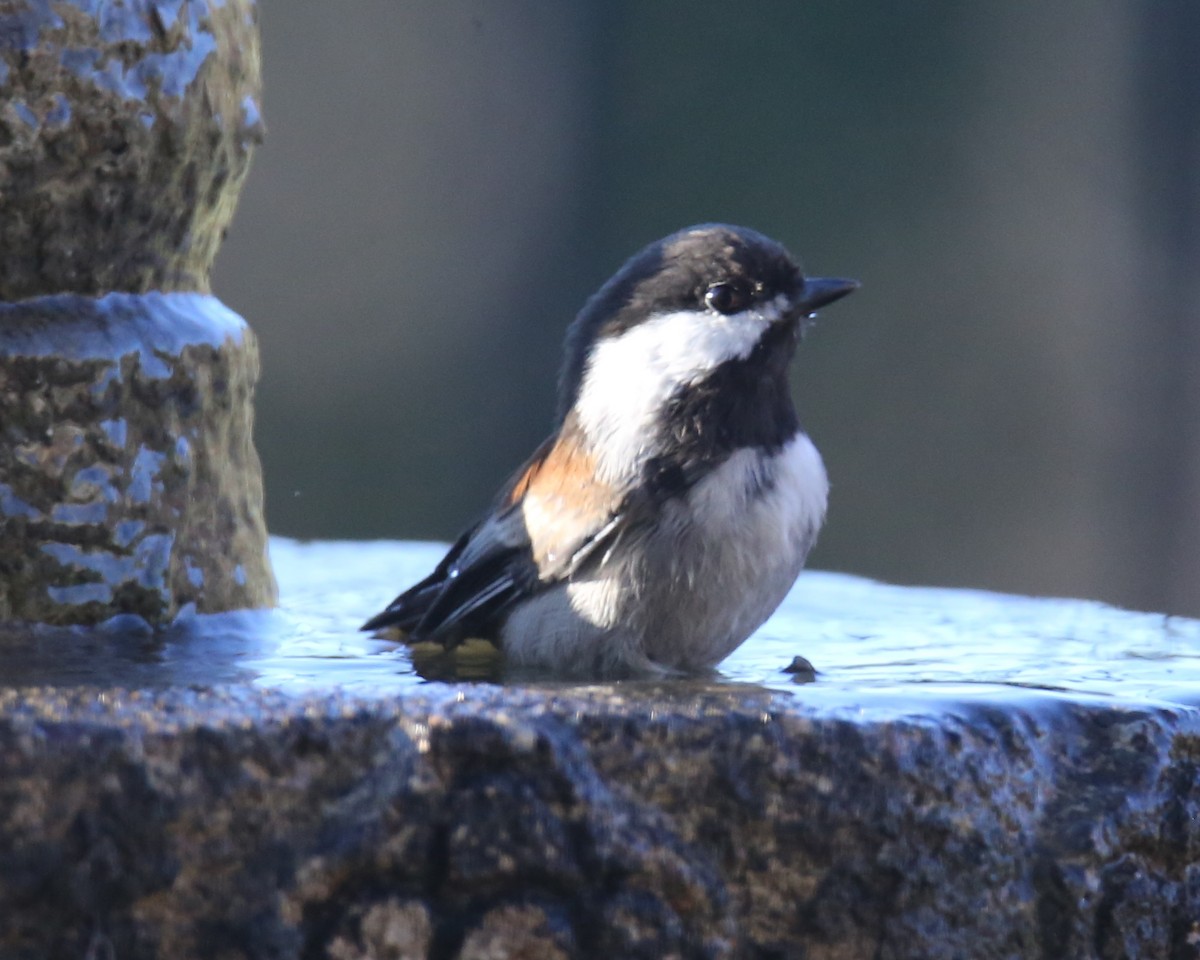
{"x": 630, "y": 821}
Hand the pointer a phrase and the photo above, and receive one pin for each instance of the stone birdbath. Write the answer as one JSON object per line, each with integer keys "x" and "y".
{"x": 186, "y": 772}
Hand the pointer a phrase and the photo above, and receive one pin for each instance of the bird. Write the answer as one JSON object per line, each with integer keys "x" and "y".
{"x": 675, "y": 503}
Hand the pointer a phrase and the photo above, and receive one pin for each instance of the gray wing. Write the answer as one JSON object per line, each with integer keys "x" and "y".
{"x": 486, "y": 570}
{"x": 551, "y": 523}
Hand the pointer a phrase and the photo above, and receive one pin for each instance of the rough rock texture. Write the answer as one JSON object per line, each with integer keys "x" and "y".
{"x": 125, "y": 135}
{"x": 128, "y": 480}
{"x": 635, "y": 821}
{"x": 129, "y": 483}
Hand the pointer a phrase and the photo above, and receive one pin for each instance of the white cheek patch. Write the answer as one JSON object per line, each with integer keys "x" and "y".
{"x": 629, "y": 378}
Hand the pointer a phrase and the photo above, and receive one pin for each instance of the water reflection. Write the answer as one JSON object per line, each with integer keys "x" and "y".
{"x": 873, "y": 646}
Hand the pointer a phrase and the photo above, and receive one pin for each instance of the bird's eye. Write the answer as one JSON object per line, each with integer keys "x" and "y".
{"x": 727, "y": 298}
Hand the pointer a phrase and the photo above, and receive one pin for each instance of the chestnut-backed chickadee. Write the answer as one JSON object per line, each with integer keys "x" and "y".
{"x": 672, "y": 509}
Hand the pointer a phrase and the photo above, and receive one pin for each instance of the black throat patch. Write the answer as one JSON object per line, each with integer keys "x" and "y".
{"x": 742, "y": 403}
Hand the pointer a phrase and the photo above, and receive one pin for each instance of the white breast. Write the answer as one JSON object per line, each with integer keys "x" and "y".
{"x": 751, "y": 524}
{"x": 683, "y": 596}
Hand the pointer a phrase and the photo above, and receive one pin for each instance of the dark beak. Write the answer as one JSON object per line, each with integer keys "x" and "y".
{"x": 818, "y": 292}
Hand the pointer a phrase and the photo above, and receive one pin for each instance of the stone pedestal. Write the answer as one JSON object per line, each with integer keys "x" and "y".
{"x": 475, "y": 822}
{"x": 159, "y": 800}
{"x": 128, "y": 480}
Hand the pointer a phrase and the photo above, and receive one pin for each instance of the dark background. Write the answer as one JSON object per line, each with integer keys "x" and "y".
{"x": 1011, "y": 401}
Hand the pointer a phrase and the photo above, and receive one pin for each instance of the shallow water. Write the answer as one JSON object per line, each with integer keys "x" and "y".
{"x": 872, "y": 644}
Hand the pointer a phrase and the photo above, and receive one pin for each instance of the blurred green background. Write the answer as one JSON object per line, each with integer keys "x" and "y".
{"x": 1012, "y": 400}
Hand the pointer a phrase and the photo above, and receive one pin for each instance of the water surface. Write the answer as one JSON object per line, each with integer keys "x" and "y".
{"x": 871, "y": 643}
{"x": 859, "y": 634}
